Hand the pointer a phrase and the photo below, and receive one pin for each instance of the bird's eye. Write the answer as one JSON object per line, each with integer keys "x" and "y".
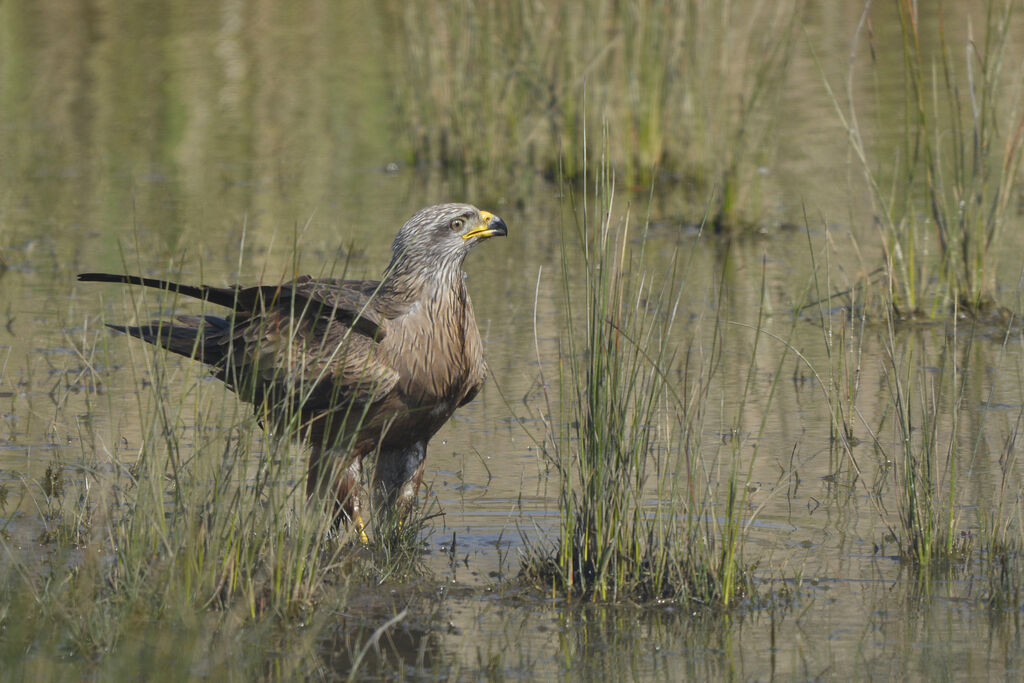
{"x": 458, "y": 223}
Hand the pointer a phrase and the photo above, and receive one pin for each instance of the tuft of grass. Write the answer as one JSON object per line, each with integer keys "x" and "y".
{"x": 505, "y": 88}
{"x": 922, "y": 458}
{"x": 640, "y": 512}
{"x": 616, "y": 391}
{"x": 926, "y": 462}
{"x": 945, "y": 205}
{"x": 218, "y": 546}
{"x": 398, "y": 545}
{"x": 941, "y": 207}
{"x": 1003, "y": 560}
{"x": 201, "y": 535}
{"x": 1001, "y": 537}
{"x": 1001, "y": 534}
{"x": 935, "y": 433}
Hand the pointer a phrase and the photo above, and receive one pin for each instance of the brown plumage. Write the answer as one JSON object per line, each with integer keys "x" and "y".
{"x": 361, "y": 367}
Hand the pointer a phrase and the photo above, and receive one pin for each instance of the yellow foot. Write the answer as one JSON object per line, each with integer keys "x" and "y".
{"x": 361, "y": 528}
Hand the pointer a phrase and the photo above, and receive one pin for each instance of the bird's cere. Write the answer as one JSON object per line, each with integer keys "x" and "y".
{"x": 489, "y": 226}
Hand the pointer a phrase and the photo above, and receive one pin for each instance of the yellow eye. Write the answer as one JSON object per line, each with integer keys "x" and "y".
{"x": 457, "y": 224}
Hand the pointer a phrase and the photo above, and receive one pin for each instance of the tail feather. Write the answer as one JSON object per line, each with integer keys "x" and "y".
{"x": 194, "y": 338}
{"x": 222, "y": 296}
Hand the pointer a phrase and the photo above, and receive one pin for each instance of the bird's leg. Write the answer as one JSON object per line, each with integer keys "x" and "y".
{"x": 398, "y": 475}
{"x": 328, "y": 478}
{"x": 347, "y": 496}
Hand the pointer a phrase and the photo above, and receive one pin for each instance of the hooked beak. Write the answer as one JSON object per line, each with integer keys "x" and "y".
{"x": 490, "y": 226}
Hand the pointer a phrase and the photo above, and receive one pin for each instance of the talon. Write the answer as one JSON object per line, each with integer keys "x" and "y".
{"x": 361, "y": 528}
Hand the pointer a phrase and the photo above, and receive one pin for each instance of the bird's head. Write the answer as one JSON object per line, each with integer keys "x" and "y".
{"x": 438, "y": 238}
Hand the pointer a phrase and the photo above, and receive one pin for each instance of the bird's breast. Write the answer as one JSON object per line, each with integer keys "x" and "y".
{"x": 436, "y": 350}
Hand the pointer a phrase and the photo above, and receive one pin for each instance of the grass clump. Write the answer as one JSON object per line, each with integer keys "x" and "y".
{"x": 930, "y": 428}
{"x": 504, "y": 88}
{"x": 169, "y": 557}
{"x": 942, "y": 208}
{"x": 1001, "y": 533}
{"x": 922, "y": 409}
{"x": 640, "y": 512}
{"x": 1001, "y": 538}
{"x": 926, "y": 460}
{"x": 942, "y": 212}
{"x": 196, "y": 550}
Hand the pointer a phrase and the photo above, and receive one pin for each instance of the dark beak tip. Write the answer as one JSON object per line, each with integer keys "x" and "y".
{"x": 497, "y": 227}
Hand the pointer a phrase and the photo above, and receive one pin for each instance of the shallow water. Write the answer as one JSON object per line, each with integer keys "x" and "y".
{"x": 224, "y": 142}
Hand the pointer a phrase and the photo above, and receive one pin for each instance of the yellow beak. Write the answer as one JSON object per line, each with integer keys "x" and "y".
{"x": 490, "y": 226}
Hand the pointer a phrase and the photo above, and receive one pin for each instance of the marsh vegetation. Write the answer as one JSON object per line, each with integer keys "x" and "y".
{"x": 756, "y": 373}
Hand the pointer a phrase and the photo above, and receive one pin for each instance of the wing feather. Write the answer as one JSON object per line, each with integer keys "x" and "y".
{"x": 316, "y": 361}
{"x": 351, "y": 302}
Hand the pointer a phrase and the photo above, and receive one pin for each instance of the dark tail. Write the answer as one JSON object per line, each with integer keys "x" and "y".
{"x": 222, "y": 296}
{"x": 199, "y": 337}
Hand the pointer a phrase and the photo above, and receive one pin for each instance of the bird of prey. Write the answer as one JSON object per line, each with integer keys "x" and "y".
{"x": 363, "y": 368}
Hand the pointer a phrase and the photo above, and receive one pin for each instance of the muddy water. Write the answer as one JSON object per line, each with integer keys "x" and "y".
{"x": 224, "y": 142}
